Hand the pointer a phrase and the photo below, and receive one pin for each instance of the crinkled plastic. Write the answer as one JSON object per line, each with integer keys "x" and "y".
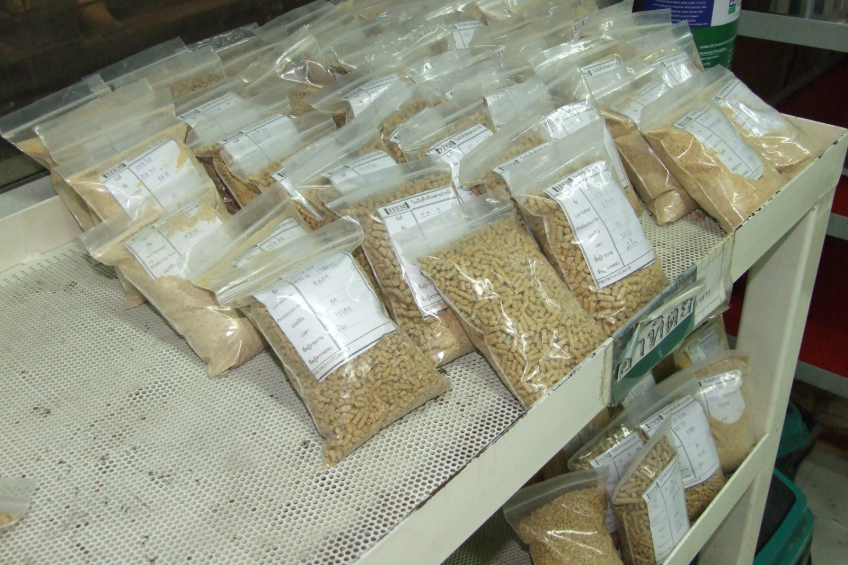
{"x": 607, "y": 261}
{"x": 385, "y": 203}
{"x": 443, "y": 64}
{"x": 593, "y": 56}
{"x": 519, "y": 46}
{"x": 147, "y": 250}
{"x": 136, "y": 64}
{"x": 364, "y": 9}
{"x": 236, "y": 48}
{"x": 562, "y": 520}
{"x": 400, "y": 103}
{"x": 621, "y": 94}
{"x": 655, "y": 475}
{"x": 210, "y": 101}
{"x": 18, "y": 127}
{"x": 586, "y": 12}
{"x": 521, "y": 316}
{"x": 700, "y": 146}
{"x": 366, "y": 373}
{"x": 183, "y": 73}
{"x": 779, "y": 141}
{"x": 351, "y": 94}
{"x": 626, "y": 25}
{"x": 705, "y": 342}
{"x": 417, "y": 39}
{"x": 672, "y": 52}
{"x": 285, "y": 25}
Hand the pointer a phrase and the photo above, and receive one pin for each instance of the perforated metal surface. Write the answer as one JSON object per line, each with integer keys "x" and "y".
{"x": 142, "y": 458}
{"x": 495, "y": 543}
{"x": 684, "y": 242}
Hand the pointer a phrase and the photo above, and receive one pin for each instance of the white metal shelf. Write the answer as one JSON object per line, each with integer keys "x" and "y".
{"x": 140, "y": 456}
{"x": 795, "y": 30}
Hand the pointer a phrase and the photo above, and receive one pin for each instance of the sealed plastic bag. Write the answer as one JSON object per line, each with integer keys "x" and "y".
{"x": 348, "y": 96}
{"x": 210, "y": 101}
{"x": 646, "y": 383}
{"x": 148, "y": 255}
{"x": 621, "y": 94}
{"x": 354, "y": 369}
{"x": 650, "y": 504}
{"x": 703, "y": 150}
{"x": 672, "y": 52}
{"x": 286, "y": 24}
{"x": 137, "y": 63}
{"x": 562, "y": 520}
{"x": 386, "y": 203}
{"x": 18, "y": 127}
{"x": 606, "y": 259}
{"x": 491, "y": 273}
{"x": 182, "y": 73}
{"x": 584, "y": 8}
{"x": 779, "y": 141}
{"x": 593, "y": 56}
{"x": 414, "y": 40}
{"x": 707, "y": 341}
{"x": 236, "y": 48}
{"x": 626, "y": 25}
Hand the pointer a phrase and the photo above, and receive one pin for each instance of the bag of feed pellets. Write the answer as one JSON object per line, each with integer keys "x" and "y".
{"x": 650, "y": 504}
{"x": 621, "y": 94}
{"x": 602, "y": 254}
{"x": 719, "y": 385}
{"x": 705, "y": 342}
{"x": 700, "y": 146}
{"x": 236, "y": 48}
{"x": 210, "y": 101}
{"x": 589, "y": 10}
{"x": 18, "y": 127}
{"x": 354, "y": 369}
{"x": 491, "y": 273}
{"x": 626, "y": 25}
{"x": 136, "y": 64}
{"x": 148, "y": 253}
{"x": 779, "y": 141}
{"x": 593, "y": 56}
{"x": 182, "y": 74}
{"x": 646, "y": 383}
{"x": 562, "y": 520}
{"x": 672, "y": 52}
{"x": 385, "y": 203}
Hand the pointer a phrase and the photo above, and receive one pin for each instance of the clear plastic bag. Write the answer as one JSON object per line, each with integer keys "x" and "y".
{"x": 136, "y": 64}
{"x": 285, "y": 25}
{"x": 18, "y": 127}
{"x": 625, "y": 25}
{"x": 491, "y": 273}
{"x": 621, "y": 94}
{"x": 705, "y": 342}
{"x": 385, "y": 203}
{"x": 607, "y": 261}
{"x": 585, "y": 15}
{"x": 369, "y": 373}
{"x": 539, "y": 35}
{"x": 593, "y": 56}
{"x": 182, "y": 73}
{"x": 236, "y": 48}
{"x": 562, "y": 520}
{"x": 15, "y": 498}
{"x": 582, "y": 9}
{"x": 700, "y": 146}
{"x": 210, "y": 101}
{"x": 402, "y": 103}
{"x": 147, "y": 250}
{"x": 350, "y": 95}
{"x": 650, "y": 504}
{"x": 672, "y": 52}
{"x": 780, "y": 142}
{"x": 412, "y": 41}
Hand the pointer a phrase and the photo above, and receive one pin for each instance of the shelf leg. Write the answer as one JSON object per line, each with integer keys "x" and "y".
{"x": 777, "y": 299}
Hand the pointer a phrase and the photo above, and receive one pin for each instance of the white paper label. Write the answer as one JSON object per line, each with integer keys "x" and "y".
{"x": 578, "y": 25}
{"x": 209, "y": 109}
{"x": 406, "y": 214}
{"x": 464, "y": 31}
{"x": 712, "y": 128}
{"x": 667, "y": 514}
{"x": 154, "y": 172}
{"x": 280, "y": 175}
{"x": 693, "y": 439}
{"x": 645, "y": 384}
{"x": 723, "y": 395}
{"x": 604, "y": 224}
{"x": 328, "y": 311}
{"x": 360, "y": 98}
{"x": 704, "y": 346}
{"x": 618, "y": 460}
{"x": 675, "y": 68}
{"x": 601, "y": 67}
{"x": 632, "y": 107}
{"x": 233, "y": 141}
{"x": 368, "y": 163}
{"x": 749, "y": 111}
{"x": 454, "y": 148}
{"x": 288, "y": 230}
{"x": 158, "y": 249}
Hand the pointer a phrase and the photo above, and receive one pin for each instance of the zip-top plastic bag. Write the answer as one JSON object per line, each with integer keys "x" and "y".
{"x": 625, "y": 25}
{"x": 18, "y": 127}
{"x": 593, "y": 56}
{"x": 489, "y": 270}
{"x": 236, "y": 48}
{"x": 650, "y": 504}
{"x": 779, "y": 141}
{"x": 704, "y": 343}
{"x": 285, "y": 25}
{"x": 443, "y": 64}
{"x": 519, "y": 46}
{"x": 385, "y": 203}
{"x": 701, "y": 147}
{"x": 137, "y": 63}
{"x": 621, "y": 94}
{"x": 672, "y": 52}
{"x": 153, "y": 160}
{"x": 183, "y": 73}
{"x": 562, "y": 520}
{"x": 354, "y": 369}
{"x": 585, "y": 15}
{"x": 581, "y": 11}
{"x": 364, "y": 9}
{"x": 351, "y": 94}
{"x": 210, "y": 101}
{"x": 606, "y": 259}
{"x": 148, "y": 255}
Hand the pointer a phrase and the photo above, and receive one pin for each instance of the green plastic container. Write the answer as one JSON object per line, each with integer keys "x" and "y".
{"x": 787, "y": 530}
{"x": 713, "y": 24}
{"x": 795, "y": 435}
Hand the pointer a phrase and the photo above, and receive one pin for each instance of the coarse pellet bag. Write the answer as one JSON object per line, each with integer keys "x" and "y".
{"x": 719, "y": 385}
{"x": 671, "y": 52}
{"x": 650, "y": 504}
{"x": 491, "y": 273}
{"x": 584, "y": 8}
{"x": 401, "y": 103}
{"x": 386, "y": 203}
{"x": 148, "y": 255}
{"x": 779, "y": 141}
{"x": 183, "y": 73}
{"x": 354, "y": 369}
{"x": 621, "y": 94}
{"x": 210, "y": 101}
{"x": 646, "y": 383}
{"x": 562, "y": 520}
{"x": 297, "y": 61}
{"x": 236, "y": 48}
{"x": 581, "y": 218}
{"x": 705, "y": 342}
{"x": 697, "y": 142}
